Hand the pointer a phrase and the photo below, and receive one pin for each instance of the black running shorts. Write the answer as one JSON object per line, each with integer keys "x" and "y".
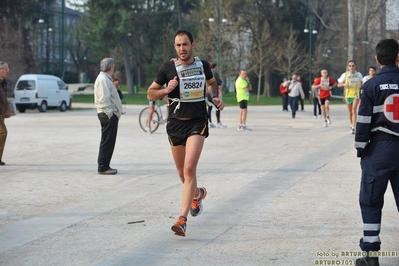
{"x": 323, "y": 100}
{"x": 243, "y": 104}
{"x": 179, "y": 130}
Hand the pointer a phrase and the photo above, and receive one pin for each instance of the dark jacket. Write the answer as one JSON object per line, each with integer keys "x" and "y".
{"x": 378, "y": 116}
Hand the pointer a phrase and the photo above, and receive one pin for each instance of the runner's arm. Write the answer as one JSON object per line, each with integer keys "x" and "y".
{"x": 212, "y": 86}
{"x": 155, "y": 91}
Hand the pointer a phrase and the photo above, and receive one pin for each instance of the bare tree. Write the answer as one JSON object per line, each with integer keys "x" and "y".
{"x": 261, "y": 53}
{"x": 291, "y": 56}
{"x": 351, "y": 30}
{"x": 17, "y": 17}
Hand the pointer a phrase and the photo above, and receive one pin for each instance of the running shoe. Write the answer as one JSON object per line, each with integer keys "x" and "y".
{"x": 352, "y": 130}
{"x": 220, "y": 125}
{"x": 367, "y": 261}
{"x": 328, "y": 120}
{"x": 326, "y": 124}
{"x": 244, "y": 127}
{"x": 240, "y": 127}
{"x": 179, "y": 227}
{"x": 314, "y": 117}
{"x": 148, "y": 130}
{"x": 196, "y": 206}
{"x": 211, "y": 124}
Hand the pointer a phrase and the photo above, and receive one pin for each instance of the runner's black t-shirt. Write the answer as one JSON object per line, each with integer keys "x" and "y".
{"x": 166, "y": 73}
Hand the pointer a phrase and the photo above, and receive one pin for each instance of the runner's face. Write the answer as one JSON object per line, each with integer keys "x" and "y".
{"x": 183, "y": 47}
{"x": 324, "y": 74}
{"x": 352, "y": 67}
{"x": 372, "y": 72}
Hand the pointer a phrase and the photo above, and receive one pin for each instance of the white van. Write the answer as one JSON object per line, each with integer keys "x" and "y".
{"x": 42, "y": 92}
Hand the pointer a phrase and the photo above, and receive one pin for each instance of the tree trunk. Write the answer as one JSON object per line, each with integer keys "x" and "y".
{"x": 15, "y": 48}
{"x": 351, "y": 32}
{"x": 178, "y": 9}
{"x": 266, "y": 87}
{"x": 129, "y": 76}
{"x": 259, "y": 82}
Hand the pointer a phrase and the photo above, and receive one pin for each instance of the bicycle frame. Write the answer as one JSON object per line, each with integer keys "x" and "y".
{"x": 159, "y": 110}
{"x": 157, "y": 118}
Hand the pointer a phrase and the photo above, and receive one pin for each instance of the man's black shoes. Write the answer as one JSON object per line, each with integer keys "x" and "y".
{"x": 110, "y": 171}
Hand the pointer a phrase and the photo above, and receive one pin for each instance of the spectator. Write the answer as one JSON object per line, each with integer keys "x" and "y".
{"x": 109, "y": 109}
{"x": 284, "y": 93}
{"x": 4, "y": 70}
{"x": 316, "y": 102}
{"x": 301, "y": 99}
{"x": 219, "y": 81}
{"x": 118, "y": 89}
{"x": 243, "y": 87}
{"x": 295, "y": 92}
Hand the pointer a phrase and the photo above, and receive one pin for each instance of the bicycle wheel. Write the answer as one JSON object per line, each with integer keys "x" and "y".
{"x": 143, "y": 120}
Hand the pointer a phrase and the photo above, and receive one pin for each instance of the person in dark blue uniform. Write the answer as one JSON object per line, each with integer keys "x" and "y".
{"x": 377, "y": 143}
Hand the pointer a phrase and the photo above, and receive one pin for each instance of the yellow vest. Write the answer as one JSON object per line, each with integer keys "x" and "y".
{"x": 354, "y": 81}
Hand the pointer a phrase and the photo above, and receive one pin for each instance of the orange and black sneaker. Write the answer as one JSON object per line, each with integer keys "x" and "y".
{"x": 196, "y": 206}
{"x": 179, "y": 227}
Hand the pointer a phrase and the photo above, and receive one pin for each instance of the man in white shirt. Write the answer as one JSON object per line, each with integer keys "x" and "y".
{"x": 294, "y": 92}
{"x": 109, "y": 109}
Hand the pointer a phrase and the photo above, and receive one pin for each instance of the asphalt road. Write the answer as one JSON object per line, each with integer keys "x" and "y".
{"x": 285, "y": 193}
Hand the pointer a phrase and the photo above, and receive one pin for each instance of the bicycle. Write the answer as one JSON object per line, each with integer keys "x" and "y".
{"x": 157, "y": 118}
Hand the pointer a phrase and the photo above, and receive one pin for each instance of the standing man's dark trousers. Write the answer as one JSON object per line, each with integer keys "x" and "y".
{"x": 3, "y": 136}
{"x": 316, "y": 104}
{"x": 302, "y": 107}
{"x": 285, "y": 102}
{"x": 109, "y": 130}
{"x": 293, "y": 101}
{"x": 379, "y": 166}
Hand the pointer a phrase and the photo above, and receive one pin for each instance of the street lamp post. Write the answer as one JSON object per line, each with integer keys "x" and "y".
{"x": 52, "y": 50}
{"x": 309, "y": 22}
{"x": 48, "y": 30}
{"x": 40, "y": 45}
{"x": 224, "y": 20}
{"x": 62, "y": 53}
{"x": 51, "y": 29}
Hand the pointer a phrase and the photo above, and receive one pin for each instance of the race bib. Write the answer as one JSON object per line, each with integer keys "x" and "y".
{"x": 192, "y": 88}
{"x": 325, "y": 82}
{"x": 192, "y": 81}
{"x": 353, "y": 79}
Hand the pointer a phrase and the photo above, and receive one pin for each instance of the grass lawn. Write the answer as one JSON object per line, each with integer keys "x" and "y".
{"x": 228, "y": 98}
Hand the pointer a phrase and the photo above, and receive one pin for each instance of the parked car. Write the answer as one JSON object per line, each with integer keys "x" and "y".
{"x": 41, "y": 91}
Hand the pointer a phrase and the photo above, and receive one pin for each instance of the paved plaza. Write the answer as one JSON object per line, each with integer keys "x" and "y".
{"x": 285, "y": 193}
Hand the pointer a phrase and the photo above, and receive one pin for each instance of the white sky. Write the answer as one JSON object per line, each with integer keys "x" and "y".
{"x": 392, "y": 17}
{"x": 69, "y": 2}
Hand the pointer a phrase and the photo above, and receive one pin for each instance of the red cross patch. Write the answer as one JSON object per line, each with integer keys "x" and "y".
{"x": 391, "y": 108}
